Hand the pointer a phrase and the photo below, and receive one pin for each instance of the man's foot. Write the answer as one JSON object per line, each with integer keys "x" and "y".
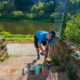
{"x": 38, "y": 57}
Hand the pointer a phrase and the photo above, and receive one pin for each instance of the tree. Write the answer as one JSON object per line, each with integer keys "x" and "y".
{"x": 23, "y": 4}
{"x": 4, "y": 6}
{"x": 37, "y": 7}
{"x": 41, "y": 12}
{"x": 49, "y": 7}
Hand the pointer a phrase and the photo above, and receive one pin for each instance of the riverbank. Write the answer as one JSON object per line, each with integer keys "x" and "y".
{"x": 28, "y": 20}
{"x": 17, "y": 37}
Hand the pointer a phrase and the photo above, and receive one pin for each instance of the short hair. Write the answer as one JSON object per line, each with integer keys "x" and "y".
{"x": 52, "y": 33}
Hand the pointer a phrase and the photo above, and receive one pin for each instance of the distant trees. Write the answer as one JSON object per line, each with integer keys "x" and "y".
{"x": 17, "y": 13}
{"x": 37, "y": 7}
{"x": 72, "y": 31}
{"x": 33, "y": 9}
{"x": 4, "y": 6}
{"x": 41, "y": 9}
{"x": 74, "y": 5}
{"x": 41, "y": 12}
{"x": 23, "y": 5}
{"x": 49, "y": 7}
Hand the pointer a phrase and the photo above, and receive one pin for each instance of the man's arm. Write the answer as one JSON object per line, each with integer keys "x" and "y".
{"x": 39, "y": 45}
{"x": 47, "y": 46}
{"x": 44, "y": 51}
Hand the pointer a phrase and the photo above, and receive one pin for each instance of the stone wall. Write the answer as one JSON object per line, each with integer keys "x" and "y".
{"x": 3, "y": 48}
{"x": 67, "y": 57}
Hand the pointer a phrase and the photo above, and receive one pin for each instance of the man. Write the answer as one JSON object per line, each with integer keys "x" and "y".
{"x": 45, "y": 38}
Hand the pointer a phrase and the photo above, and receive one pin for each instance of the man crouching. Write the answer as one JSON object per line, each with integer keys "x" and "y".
{"x": 45, "y": 38}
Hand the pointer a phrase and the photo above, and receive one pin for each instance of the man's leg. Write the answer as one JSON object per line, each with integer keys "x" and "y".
{"x": 46, "y": 53}
{"x": 38, "y": 56}
{"x": 36, "y": 46}
{"x": 37, "y": 50}
{"x": 46, "y": 50}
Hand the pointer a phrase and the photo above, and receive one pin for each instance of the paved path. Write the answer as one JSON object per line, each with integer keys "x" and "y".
{"x": 11, "y": 69}
{"x": 20, "y": 49}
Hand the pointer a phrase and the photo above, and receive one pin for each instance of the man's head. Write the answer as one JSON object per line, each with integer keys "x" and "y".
{"x": 50, "y": 35}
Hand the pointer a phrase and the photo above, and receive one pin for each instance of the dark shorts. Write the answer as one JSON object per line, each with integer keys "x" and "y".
{"x": 36, "y": 42}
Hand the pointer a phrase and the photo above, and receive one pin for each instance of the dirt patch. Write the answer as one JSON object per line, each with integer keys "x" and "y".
{"x": 12, "y": 68}
{"x": 13, "y": 72}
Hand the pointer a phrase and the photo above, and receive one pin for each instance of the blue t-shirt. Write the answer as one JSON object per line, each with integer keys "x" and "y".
{"x": 41, "y": 35}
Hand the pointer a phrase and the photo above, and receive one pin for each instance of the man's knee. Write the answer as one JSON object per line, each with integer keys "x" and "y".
{"x": 37, "y": 49}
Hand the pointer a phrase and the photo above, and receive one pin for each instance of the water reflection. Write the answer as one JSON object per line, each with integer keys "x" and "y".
{"x": 25, "y": 27}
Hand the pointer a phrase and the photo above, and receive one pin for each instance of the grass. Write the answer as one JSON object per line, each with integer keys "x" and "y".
{"x": 70, "y": 75}
{"x": 17, "y": 37}
{"x": 56, "y": 62}
{"x": 7, "y": 57}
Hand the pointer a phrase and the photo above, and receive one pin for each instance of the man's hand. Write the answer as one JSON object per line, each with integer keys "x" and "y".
{"x": 47, "y": 46}
{"x": 44, "y": 52}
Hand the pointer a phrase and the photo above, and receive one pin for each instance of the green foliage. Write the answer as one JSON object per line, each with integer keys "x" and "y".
{"x": 72, "y": 31}
{"x": 18, "y": 13}
{"x": 5, "y": 33}
{"x": 74, "y": 5}
{"x": 26, "y": 9}
{"x": 9, "y": 36}
{"x": 70, "y": 75}
{"x": 40, "y": 5}
{"x": 1, "y": 6}
{"x": 7, "y": 57}
{"x": 49, "y": 7}
{"x": 41, "y": 12}
{"x": 36, "y": 7}
{"x": 56, "y": 62}
{"x": 0, "y": 14}
{"x": 31, "y": 15}
{"x": 4, "y": 6}
{"x": 53, "y": 15}
{"x": 23, "y": 5}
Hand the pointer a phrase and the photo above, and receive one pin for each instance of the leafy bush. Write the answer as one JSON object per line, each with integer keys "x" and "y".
{"x": 41, "y": 12}
{"x": 31, "y": 15}
{"x": 5, "y": 33}
{"x": 70, "y": 75}
{"x": 9, "y": 36}
{"x": 36, "y": 7}
{"x": 0, "y": 14}
{"x": 72, "y": 31}
{"x": 18, "y": 13}
{"x": 56, "y": 62}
